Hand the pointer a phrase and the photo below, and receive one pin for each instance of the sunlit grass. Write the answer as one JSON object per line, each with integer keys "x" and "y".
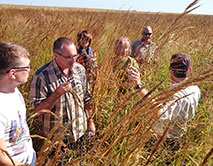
{"x": 123, "y": 121}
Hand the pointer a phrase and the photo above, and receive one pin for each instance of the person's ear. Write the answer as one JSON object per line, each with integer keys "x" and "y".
{"x": 11, "y": 74}
{"x": 171, "y": 73}
{"x": 55, "y": 54}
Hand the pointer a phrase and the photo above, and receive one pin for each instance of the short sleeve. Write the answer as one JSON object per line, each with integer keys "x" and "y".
{"x": 3, "y": 123}
{"x": 38, "y": 91}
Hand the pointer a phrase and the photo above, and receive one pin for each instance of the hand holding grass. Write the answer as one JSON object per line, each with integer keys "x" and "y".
{"x": 63, "y": 88}
{"x": 133, "y": 74}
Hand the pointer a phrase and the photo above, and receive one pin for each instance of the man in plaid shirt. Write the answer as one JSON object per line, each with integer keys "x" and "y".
{"x": 62, "y": 87}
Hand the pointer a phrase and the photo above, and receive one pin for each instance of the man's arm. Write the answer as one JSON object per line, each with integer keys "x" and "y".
{"x": 155, "y": 53}
{"x": 89, "y": 110}
{"x": 49, "y": 102}
{"x": 4, "y": 159}
{"x": 88, "y": 105}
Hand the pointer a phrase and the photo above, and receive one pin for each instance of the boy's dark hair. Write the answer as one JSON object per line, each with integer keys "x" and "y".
{"x": 10, "y": 54}
{"x": 180, "y": 64}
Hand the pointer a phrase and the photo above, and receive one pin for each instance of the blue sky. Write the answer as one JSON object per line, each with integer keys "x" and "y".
{"x": 170, "y": 6}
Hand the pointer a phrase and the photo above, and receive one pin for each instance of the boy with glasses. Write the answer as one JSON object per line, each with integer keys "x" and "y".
{"x": 14, "y": 132}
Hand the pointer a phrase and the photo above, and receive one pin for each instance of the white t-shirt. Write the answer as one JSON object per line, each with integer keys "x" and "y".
{"x": 179, "y": 111}
{"x": 14, "y": 128}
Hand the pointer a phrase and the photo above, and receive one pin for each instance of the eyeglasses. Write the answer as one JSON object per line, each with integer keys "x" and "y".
{"x": 147, "y": 34}
{"x": 66, "y": 57}
{"x": 28, "y": 68}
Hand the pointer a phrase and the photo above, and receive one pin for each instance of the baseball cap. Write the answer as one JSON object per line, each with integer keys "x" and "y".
{"x": 180, "y": 64}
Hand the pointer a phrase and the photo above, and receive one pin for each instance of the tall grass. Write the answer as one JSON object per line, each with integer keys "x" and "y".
{"x": 123, "y": 121}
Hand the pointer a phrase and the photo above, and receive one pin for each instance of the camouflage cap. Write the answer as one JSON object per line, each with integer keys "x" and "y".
{"x": 180, "y": 64}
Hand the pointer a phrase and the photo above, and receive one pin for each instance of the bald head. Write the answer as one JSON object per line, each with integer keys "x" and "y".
{"x": 147, "y": 29}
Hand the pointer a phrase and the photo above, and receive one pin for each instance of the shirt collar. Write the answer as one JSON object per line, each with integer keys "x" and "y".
{"x": 175, "y": 84}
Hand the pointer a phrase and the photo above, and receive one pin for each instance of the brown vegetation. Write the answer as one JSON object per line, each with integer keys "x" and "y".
{"x": 124, "y": 122}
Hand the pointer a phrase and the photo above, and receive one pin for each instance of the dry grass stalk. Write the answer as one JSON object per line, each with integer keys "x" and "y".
{"x": 124, "y": 121}
{"x": 207, "y": 157}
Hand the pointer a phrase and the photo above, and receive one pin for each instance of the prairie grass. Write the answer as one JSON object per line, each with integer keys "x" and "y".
{"x": 123, "y": 121}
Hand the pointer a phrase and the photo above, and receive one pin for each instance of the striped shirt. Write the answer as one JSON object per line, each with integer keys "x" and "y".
{"x": 45, "y": 81}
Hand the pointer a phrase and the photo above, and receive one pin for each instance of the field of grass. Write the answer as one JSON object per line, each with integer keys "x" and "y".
{"x": 123, "y": 122}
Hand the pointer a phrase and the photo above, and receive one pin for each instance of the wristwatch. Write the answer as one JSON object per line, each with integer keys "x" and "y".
{"x": 139, "y": 86}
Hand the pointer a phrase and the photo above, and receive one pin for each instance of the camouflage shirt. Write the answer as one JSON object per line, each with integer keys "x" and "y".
{"x": 142, "y": 52}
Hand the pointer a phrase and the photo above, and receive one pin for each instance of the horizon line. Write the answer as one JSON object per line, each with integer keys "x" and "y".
{"x": 100, "y": 9}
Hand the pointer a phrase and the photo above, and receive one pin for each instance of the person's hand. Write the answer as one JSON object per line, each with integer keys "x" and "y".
{"x": 133, "y": 74}
{"x": 91, "y": 127}
{"x": 63, "y": 88}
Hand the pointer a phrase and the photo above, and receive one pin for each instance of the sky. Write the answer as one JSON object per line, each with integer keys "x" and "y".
{"x": 169, "y": 6}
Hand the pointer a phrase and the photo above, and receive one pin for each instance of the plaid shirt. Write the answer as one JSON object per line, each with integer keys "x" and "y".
{"x": 141, "y": 52}
{"x": 46, "y": 80}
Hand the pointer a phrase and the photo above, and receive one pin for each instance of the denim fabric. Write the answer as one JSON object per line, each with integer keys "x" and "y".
{"x": 34, "y": 159}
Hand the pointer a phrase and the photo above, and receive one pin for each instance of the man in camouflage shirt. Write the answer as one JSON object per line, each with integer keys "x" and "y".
{"x": 144, "y": 50}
